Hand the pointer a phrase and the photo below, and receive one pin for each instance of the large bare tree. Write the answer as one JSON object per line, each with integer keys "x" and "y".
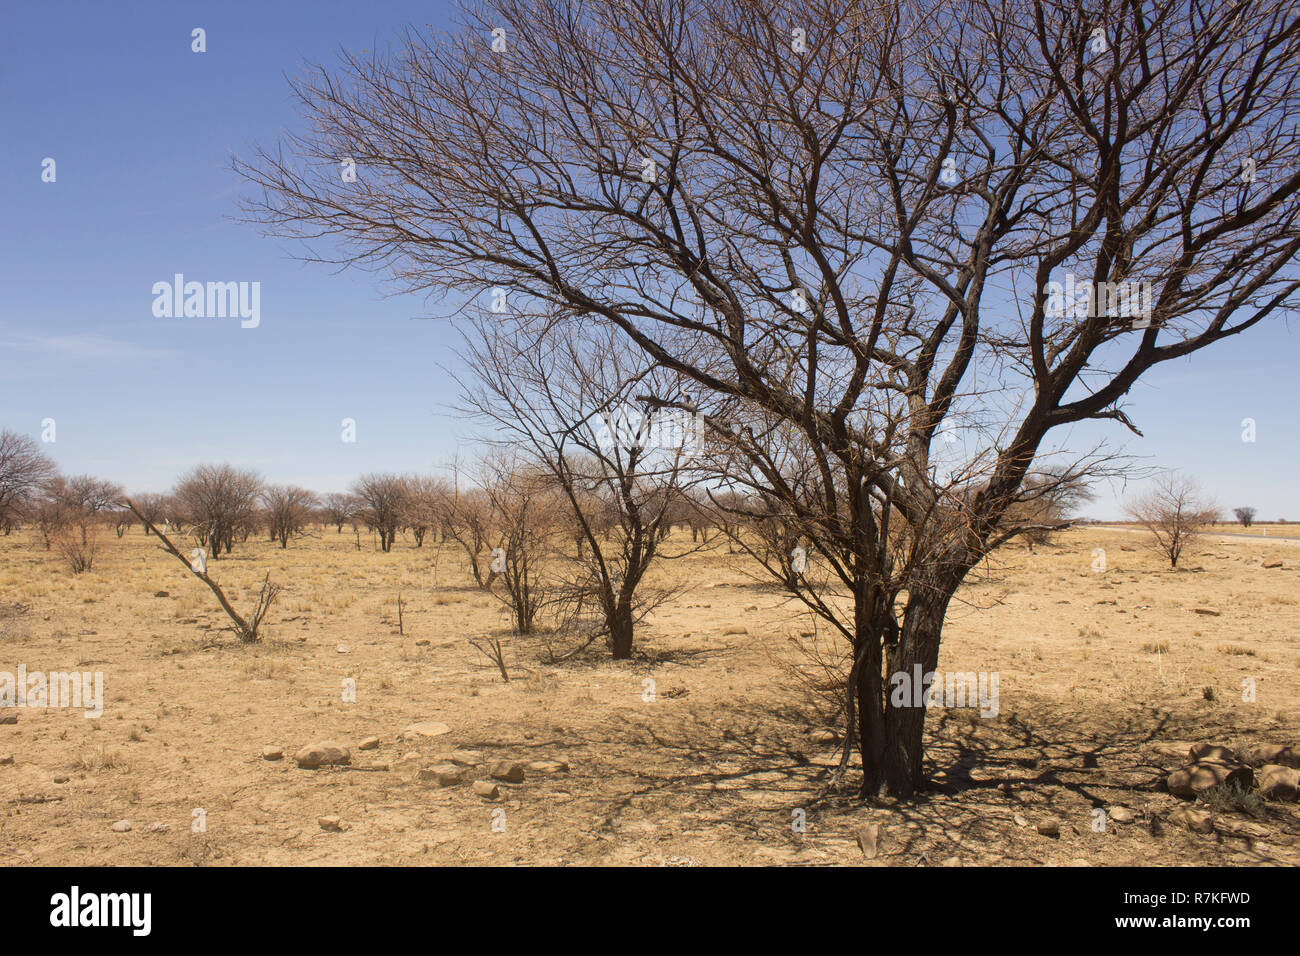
{"x": 859, "y": 228}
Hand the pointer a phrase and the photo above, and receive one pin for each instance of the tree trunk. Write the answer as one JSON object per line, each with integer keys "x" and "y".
{"x": 620, "y": 632}
{"x": 915, "y": 654}
{"x": 867, "y": 697}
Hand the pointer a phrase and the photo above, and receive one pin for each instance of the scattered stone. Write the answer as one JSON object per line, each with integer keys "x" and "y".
{"x": 8, "y": 718}
{"x": 548, "y": 766}
{"x": 507, "y": 771}
{"x": 752, "y": 607}
{"x": 485, "y": 788}
{"x": 823, "y": 736}
{"x": 161, "y": 594}
{"x": 425, "y": 728}
{"x": 272, "y": 753}
{"x": 423, "y": 642}
{"x": 160, "y": 827}
{"x": 330, "y": 824}
{"x": 1020, "y": 821}
{"x": 1261, "y": 754}
{"x": 1244, "y": 829}
{"x": 343, "y": 649}
{"x": 61, "y": 778}
{"x": 322, "y": 754}
{"x": 1207, "y": 611}
{"x": 734, "y": 629}
{"x": 1122, "y": 814}
{"x": 1049, "y": 827}
{"x": 951, "y": 861}
{"x": 1277, "y": 782}
{"x": 370, "y": 743}
{"x": 443, "y": 774}
{"x": 6, "y": 758}
{"x": 869, "y": 840}
{"x": 1272, "y": 564}
{"x": 1204, "y": 775}
{"x": 467, "y": 758}
{"x": 121, "y": 826}
{"x": 1215, "y": 752}
{"x": 1193, "y": 818}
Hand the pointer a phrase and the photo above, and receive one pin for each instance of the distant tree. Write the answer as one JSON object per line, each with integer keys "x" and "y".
{"x": 1174, "y": 511}
{"x": 422, "y": 505}
{"x": 24, "y": 470}
{"x": 467, "y": 519}
{"x": 381, "y": 499}
{"x": 1245, "y": 515}
{"x": 337, "y": 508}
{"x": 220, "y": 502}
{"x": 526, "y": 511}
{"x": 1048, "y": 504}
{"x": 154, "y": 507}
{"x": 568, "y": 404}
{"x": 288, "y": 509}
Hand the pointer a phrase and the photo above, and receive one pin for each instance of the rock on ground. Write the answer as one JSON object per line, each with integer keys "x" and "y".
{"x": 1277, "y": 782}
{"x": 322, "y": 754}
{"x": 507, "y": 771}
{"x": 1196, "y": 778}
{"x": 424, "y": 728}
{"x": 1193, "y": 818}
{"x": 443, "y": 774}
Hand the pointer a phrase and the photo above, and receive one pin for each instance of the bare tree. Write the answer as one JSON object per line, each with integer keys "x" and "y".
{"x": 422, "y": 505}
{"x": 380, "y": 500}
{"x": 288, "y": 509}
{"x": 526, "y": 511}
{"x": 220, "y": 502}
{"x": 24, "y": 471}
{"x": 1175, "y": 511}
{"x": 1048, "y": 504}
{"x": 466, "y": 517}
{"x": 337, "y": 508}
{"x": 575, "y": 404}
{"x": 154, "y": 507}
{"x": 247, "y": 629}
{"x": 1245, "y": 515}
{"x": 983, "y": 219}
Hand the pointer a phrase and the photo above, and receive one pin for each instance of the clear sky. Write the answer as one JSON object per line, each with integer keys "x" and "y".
{"x": 141, "y": 130}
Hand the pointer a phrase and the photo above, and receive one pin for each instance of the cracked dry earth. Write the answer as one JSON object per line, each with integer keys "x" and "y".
{"x": 722, "y": 760}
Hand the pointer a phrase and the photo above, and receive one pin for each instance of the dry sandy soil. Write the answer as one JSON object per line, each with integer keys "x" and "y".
{"x": 1102, "y": 688}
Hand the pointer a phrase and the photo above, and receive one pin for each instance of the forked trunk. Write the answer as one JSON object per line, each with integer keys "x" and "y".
{"x": 891, "y": 707}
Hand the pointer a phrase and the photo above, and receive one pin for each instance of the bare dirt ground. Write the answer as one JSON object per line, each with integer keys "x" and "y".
{"x": 1103, "y": 681}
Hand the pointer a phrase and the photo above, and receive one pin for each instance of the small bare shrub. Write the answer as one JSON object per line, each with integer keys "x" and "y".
{"x": 78, "y": 547}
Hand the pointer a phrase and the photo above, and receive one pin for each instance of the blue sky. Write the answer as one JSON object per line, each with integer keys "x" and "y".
{"x": 142, "y": 130}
